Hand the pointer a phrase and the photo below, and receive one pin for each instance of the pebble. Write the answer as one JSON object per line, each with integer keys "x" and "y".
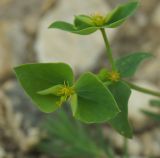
{"x": 13, "y": 44}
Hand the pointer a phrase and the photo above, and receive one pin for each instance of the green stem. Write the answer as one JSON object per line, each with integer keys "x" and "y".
{"x": 109, "y": 51}
{"x": 143, "y": 90}
{"x": 125, "y": 155}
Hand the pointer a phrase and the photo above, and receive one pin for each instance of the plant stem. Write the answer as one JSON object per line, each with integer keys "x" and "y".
{"x": 143, "y": 90}
{"x": 125, "y": 148}
{"x": 109, "y": 51}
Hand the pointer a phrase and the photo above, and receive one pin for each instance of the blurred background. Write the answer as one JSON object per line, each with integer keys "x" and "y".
{"x": 24, "y": 38}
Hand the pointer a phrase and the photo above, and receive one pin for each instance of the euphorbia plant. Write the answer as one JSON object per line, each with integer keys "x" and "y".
{"x": 94, "y": 98}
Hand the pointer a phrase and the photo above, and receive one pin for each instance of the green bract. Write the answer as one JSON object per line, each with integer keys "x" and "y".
{"x": 51, "y": 84}
{"x": 128, "y": 65}
{"x": 93, "y": 98}
{"x": 102, "y": 75}
{"x": 37, "y": 77}
{"x": 121, "y": 93}
{"x": 85, "y": 25}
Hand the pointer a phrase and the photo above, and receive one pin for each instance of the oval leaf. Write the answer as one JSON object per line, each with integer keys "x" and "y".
{"x": 94, "y": 102}
{"x": 121, "y": 93}
{"x": 37, "y": 77}
{"x": 128, "y": 65}
{"x": 63, "y": 26}
{"x": 85, "y": 31}
{"x": 71, "y": 28}
{"x": 52, "y": 90}
{"x": 120, "y": 14}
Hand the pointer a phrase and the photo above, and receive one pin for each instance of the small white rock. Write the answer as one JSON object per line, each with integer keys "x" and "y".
{"x": 134, "y": 144}
{"x": 151, "y": 143}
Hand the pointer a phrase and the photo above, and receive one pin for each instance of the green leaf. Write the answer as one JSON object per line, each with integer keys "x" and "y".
{"x": 67, "y": 138}
{"x": 120, "y": 14}
{"x": 85, "y": 31}
{"x": 121, "y": 93}
{"x": 152, "y": 115}
{"x": 37, "y": 77}
{"x": 83, "y": 21}
{"x": 93, "y": 103}
{"x": 74, "y": 103}
{"x": 84, "y": 25}
{"x": 127, "y": 65}
{"x": 71, "y": 28}
{"x": 63, "y": 26}
{"x": 155, "y": 103}
{"x": 102, "y": 75}
{"x": 52, "y": 90}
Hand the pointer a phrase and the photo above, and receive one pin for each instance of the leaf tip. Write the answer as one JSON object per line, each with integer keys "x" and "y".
{"x": 136, "y": 3}
{"x": 40, "y": 92}
{"x": 51, "y": 26}
{"x": 16, "y": 70}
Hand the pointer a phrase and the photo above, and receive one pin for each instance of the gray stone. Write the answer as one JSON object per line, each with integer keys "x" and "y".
{"x": 156, "y": 15}
{"x": 18, "y": 117}
{"x": 134, "y": 144}
{"x": 13, "y": 44}
{"x": 31, "y": 21}
{"x": 3, "y": 3}
{"x": 151, "y": 143}
{"x": 81, "y": 52}
{"x": 18, "y": 9}
{"x": 21, "y": 103}
{"x": 2, "y": 153}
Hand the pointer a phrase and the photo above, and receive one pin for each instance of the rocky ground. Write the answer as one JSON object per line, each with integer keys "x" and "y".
{"x": 24, "y": 38}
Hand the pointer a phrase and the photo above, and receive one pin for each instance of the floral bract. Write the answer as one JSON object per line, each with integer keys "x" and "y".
{"x": 52, "y": 84}
{"x": 85, "y": 24}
